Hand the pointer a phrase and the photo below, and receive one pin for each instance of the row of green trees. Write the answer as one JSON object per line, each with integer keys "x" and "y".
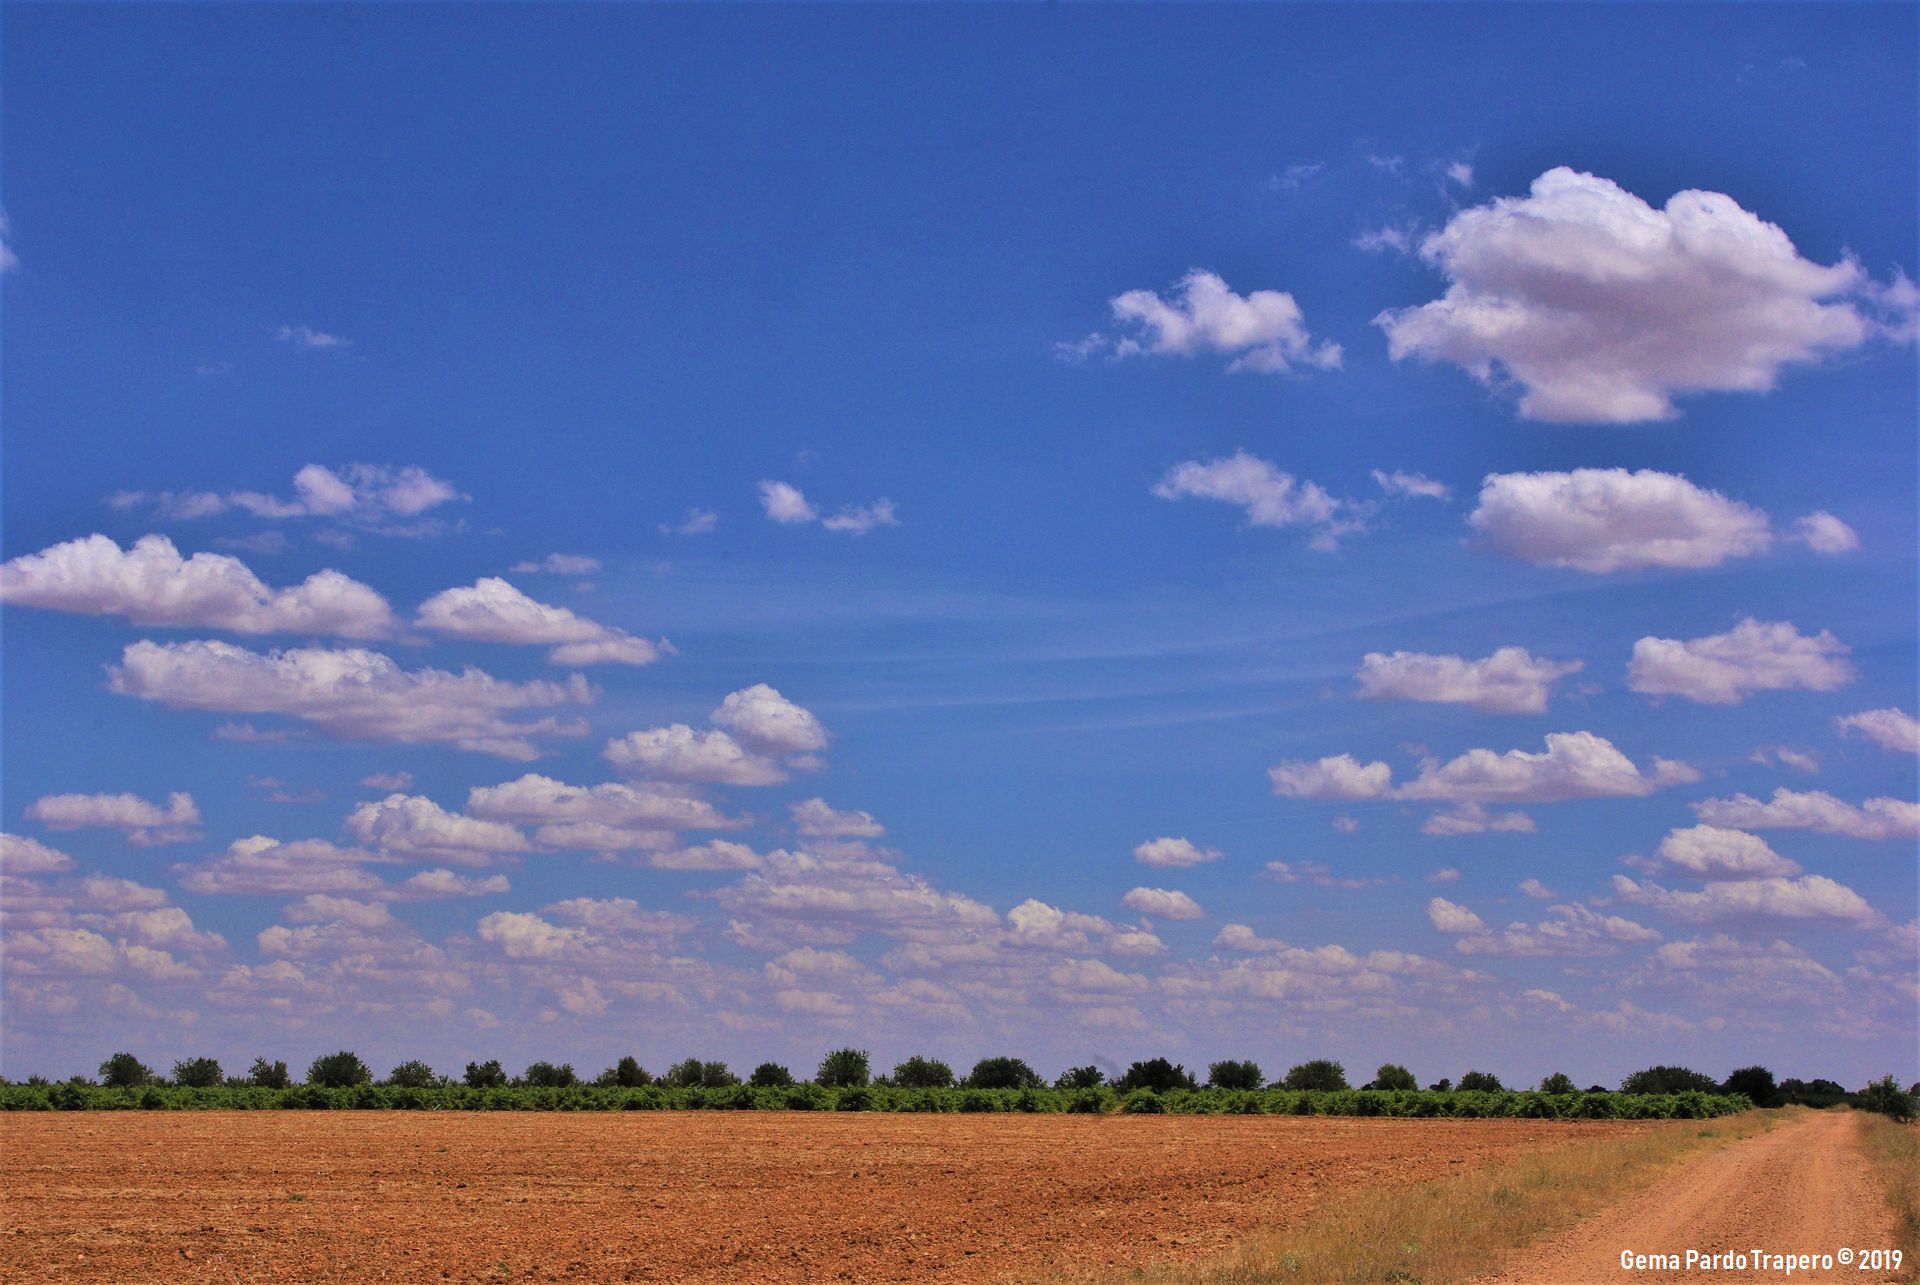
{"x": 852, "y": 1068}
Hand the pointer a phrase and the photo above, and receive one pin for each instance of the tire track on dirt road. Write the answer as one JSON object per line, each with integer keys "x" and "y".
{"x": 1804, "y": 1187}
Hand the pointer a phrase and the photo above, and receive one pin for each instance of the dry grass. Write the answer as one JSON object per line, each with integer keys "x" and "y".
{"x": 1895, "y": 1149}
{"x": 1439, "y": 1233}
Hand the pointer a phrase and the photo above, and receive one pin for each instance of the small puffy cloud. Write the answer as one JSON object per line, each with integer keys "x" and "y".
{"x": 679, "y": 753}
{"x": 369, "y": 495}
{"x": 1445, "y": 874}
{"x": 525, "y": 936}
{"x": 388, "y": 781}
{"x": 650, "y": 808}
{"x": 1510, "y": 681}
{"x": 151, "y": 584}
{"x": 557, "y": 564}
{"x": 20, "y": 855}
{"x": 1416, "y": 486}
{"x": 1602, "y": 309}
{"x": 1471, "y": 818}
{"x": 1575, "y": 765}
{"x": 1166, "y": 903}
{"x": 1824, "y": 533}
{"x": 319, "y": 908}
{"x": 1807, "y": 897}
{"x": 1263, "y": 331}
{"x": 1814, "y": 810}
{"x": 768, "y": 722}
{"x": 142, "y": 821}
{"x": 1269, "y": 496}
{"x": 350, "y": 693}
{"x": 1345, "y": 824}
{"x": 308, "y": 337}
{"x": 1459, "y": 172}
{"x": 719, "y": 854}
{"x": 491, "y": 610}
{"x": 1602, "y": 520}
{"x": 784, "y": 503}
{"x": 1569, "y": 930}
{"x": 1316, "y": 874}
{"x": 815, "y": 819}
{"x": 1890, "y": 729}
{"x": 1451, "y": 918}
{"x": 1175, "y": 853}
{"x": 1787, "y": 756}
{"x": 1710, "y": 852}
{"x": 696, "y": 522}
{"x": 1725, "y": 669}
{"x": 415, "y": 826}
{"x": 259, "y": 865}
{"x": 434, "y": 885}
{"x": 1537, "y": 890}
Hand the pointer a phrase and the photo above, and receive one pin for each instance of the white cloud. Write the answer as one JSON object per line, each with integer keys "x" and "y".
{"x": 1807, "y": 897}
{"x": 1263, "y": 331}
{"x": 815, "y": 819}
{"x": 143, "y": 822}
{"x": 784, "y": 503}
{"x": 1445, "y": 874}
{"x": 350, "y": 693}
{"x": 491, "y": 610}
{"x": 1602, "y": 520}
{"x": 308, "y": 337}
{"x": 647, "y": 807}
{"x": 1602, "y": 309}
{"x": 1171, "y": 852}
{"x": 260, "y": 865}
{"x": 696, "y": 522}
{"x": 1471, "y": 818}
{"x": 1709, "y": 852}
{"x": 1890, "y": 729}
{"x": 151, "y": 584}
{"x": 388, "y": 781}
{"x": 1316, "y": 874}
{"x": 1814, "y": 810}
{"x": 1449, "y": 917}
{"x": 433, "y": 885}
{"x": 415, "y": 826}
{"x": 8, "y": 260}
{"x": 860, "y": 519}
{"x": 1824, "y": 533}
{"x": 1725, "y": 669}
{"x": 1575, "y": 765}
{"x": 359, "y": 491}
{"x": 558, "y": 564}
{"x": 768, "y": 722}
{"x": 20, "y": 855}
{"x": 1570, "y": 930}
{"x": 1460, "y": 172}
{"x": 679, "y": 753}
{"x": 525, "y": 936}
{"x": 1537, "y": 890}
{"x": 1510, "y": 681}
{"x": 717, "y": 854}
{"x": 1167, "y": 903}
{"x": 1416, "y": 486}
{"x": 1269, "y": 496}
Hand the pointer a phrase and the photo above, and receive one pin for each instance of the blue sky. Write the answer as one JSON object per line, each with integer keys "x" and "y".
{"x": 1076, "y": 338}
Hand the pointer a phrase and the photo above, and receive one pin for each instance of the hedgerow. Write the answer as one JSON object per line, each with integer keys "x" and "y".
{"x": 1103, "y": 1100}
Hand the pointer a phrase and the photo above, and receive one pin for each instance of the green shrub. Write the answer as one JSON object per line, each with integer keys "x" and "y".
{"x": 1156, "y": 1074}
{"x": 1235, "y": 1075}
{"x": 67, "y": 1097}
{"x": 856, "y": 1097}
{"x": 485, "y": 1075}
{"x": 806, "y": 1097}
{"x": 974, "y": 1101}
{"x": 1886, "y": 1097}
{"x": 269, "y": 1075}
{"x": 1087, "y": 1101}
{"x": 1558, "y": 1082}
{"x": 1480, "y": 1082}
{"x": 545, "y": 1075}
{"x": 770, "y": 1075}
{"x": 1392, "y": 1075}
{"x": 412, "y": 1075}
{"x": 124, "y": 1071}
{"x": 1142, "y": 1102}
{"x": 338, "y": 1070}
{"x": 844, "y": 1069}
{"x": 1081, "y": 1077}
{"x": 1668, "y": 1079}
{"x": 1321, "y": 1075}
{"x": 1757, "y": 1083}
{"x": 197, "y": 1073}
{"x": 692, "y": 1073}
{"x": 1002, "y": 1073}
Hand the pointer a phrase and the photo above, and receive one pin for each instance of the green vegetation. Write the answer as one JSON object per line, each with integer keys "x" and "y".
{"x": 1002, "y": 1073}
{"x": 1235, "y": 1075}
{"x": 1885, "y": 1097}
{"x": 269, "y": 1075}
{"x": 408, "y": 1075}
{"x": 1392, "y": 1075}
{"x": 770, "y": 1075}
{"x": 338, "y": 1070}
{"x": 1561, "y": 1082}
{"x": 1319, "y": 1075}
{"x": 844, "y": 1069}
{"x": 124, "y": 1070}
{"x": 1669, "y": 1079}
{"x": 197, "y": 1072}
{"x": 922, "y": 1073}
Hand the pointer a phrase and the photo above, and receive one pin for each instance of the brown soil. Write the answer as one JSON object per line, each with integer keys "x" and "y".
{"x": 696, "y": 1197}
{"x": 1804, "y": 1187}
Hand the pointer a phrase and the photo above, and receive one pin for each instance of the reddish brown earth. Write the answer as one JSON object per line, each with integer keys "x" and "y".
{"x": 696, "y": 1197}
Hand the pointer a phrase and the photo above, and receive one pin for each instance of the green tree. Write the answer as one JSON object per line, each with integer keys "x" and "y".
{"x": 1886, "y": 1096}
{"x": 923, "y": 1073}
{"x": 1480, "y": 1082}
{"x": 844, "y": 1069}
{"x": 545, "y": 1075}
{"x": 1669, "y": 1079}
{"x": 124, "y": 1071}
{"x": 1235, "y": 1075}
{"x": 1081, "y": 1077}
{"x": 1002, "y": 1073}
{"x": 338, "y": 1070}
{"x": 627, "y": 1073}
{"x": 1558, "y": 1082}
{"x": 770, "y": 1075}
{"x": 197, "y": 1073}
{"x": 485, "y": 1075}
{"x": 693, "y": 1072}
{"x": 269, "y": 1075}
{"x": 1392, "y": 1075}
{"x": 412, "y": 1075}
{"x": 1155, "y": 1073}
{"x": 1757, "y": 1083}
{"x": 1321, "y": 1073}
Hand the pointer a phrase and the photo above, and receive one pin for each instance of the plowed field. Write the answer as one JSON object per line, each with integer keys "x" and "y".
{"x": 682, "y": 1197}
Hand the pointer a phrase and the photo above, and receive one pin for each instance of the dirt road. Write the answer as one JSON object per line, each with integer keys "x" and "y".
{"x": 1804, "y": 1187}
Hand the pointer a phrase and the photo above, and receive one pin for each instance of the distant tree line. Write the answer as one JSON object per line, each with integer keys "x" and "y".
{"x": 849, "y": 1071}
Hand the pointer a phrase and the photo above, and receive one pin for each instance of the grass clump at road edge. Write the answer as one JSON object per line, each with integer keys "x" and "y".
{"x": 1442, "y": 1233}
{"x": 1895, "y": 1149}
